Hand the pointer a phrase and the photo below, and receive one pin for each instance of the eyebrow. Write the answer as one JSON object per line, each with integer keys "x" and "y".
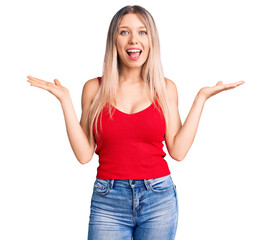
{"x": 128, "y": 27}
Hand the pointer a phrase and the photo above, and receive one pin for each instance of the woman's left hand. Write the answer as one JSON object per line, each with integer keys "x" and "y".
{"x": 207, "y": 92}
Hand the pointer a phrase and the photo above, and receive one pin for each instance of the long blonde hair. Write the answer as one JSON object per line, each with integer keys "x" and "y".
{"x": 152, "y": 71}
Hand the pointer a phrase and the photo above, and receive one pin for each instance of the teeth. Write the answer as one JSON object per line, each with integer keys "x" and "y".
{"x": 133, "y": 50}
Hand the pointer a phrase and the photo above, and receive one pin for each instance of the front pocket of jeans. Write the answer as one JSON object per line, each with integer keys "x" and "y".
{"x": 101, "y": 187}
{"x": 163, "y": 184}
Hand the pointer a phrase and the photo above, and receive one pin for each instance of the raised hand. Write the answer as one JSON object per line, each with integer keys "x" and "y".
{"x": 207, "y": 92}
{"x": 55, "y": 88}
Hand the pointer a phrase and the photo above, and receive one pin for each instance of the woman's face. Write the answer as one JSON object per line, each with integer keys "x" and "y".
{"x": 132, "y": 42}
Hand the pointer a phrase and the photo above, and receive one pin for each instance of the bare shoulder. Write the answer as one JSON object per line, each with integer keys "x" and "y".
{"x": 92, "y": 84}
{"x": 89, "y": 91}
{"x": 171, "y": 90}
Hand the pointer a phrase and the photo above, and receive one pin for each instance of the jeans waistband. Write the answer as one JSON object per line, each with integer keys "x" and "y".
{"x": 134, "y": 183}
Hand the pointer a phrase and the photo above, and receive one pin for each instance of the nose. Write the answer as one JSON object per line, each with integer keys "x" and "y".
{"x": 133, "y": 39}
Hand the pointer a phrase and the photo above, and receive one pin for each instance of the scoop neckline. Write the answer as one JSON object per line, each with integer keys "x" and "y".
{"x": 132, "y": 114}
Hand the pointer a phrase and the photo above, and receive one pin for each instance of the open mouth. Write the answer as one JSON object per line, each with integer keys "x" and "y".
{"x": 134, "y": 54}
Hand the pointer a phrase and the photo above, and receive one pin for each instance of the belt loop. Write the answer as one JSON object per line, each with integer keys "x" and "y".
{"x": 111, "y": 183}
{"x": 146, "y": 182}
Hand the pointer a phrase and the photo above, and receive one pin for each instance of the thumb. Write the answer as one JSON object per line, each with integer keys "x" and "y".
{"x": 219, "y": 83}
{"x": 57, "y": 82}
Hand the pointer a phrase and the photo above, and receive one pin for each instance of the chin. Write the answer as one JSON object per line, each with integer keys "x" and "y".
{"x": 133, "y": 65}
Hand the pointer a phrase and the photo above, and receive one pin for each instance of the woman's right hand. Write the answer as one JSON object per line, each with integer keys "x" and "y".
{"x": 60, "y": 92}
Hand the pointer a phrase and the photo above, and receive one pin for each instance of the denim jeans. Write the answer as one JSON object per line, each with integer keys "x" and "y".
{"x": 133, "y": 209}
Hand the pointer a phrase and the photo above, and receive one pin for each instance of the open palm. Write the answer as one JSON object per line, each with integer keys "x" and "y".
{"x": 59, "y": 91}
{"x": 207, "y": 92}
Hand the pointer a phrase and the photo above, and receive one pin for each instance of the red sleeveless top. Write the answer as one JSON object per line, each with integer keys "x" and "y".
{"x": 130, "y": 145}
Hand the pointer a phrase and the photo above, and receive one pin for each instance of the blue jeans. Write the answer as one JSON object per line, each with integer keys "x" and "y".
{"x": 134, "y": 209}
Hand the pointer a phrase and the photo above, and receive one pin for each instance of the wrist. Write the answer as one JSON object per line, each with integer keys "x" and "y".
{"x": 65, "y": 100}
{"x": 201, "y": 97}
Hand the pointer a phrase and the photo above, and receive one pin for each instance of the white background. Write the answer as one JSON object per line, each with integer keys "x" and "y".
{"x": 223, "y": 184}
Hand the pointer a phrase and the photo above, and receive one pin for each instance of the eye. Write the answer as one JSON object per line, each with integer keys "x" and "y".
{"x": 143, "y": 32}
{"x": 123, "y": 32}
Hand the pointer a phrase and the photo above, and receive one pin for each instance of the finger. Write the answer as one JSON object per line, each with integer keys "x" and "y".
{"x": 57, "y": 82}
{"x": 32, "y": 81}
{"x": 219, "y": 86}
{"x": 235, "y": 84}
{"x": 38, "y": 85}
{"x": 41, "y": 83}
{"x": 231, "y": 85}
{"x": 36, "y": 79}
{"x": 46, "y": 86}
{"x": 240, "y": 82}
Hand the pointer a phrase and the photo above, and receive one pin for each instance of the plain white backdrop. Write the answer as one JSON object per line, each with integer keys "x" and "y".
{"x": 223, "y": 184}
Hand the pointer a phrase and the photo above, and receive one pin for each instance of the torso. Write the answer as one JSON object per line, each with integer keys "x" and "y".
{"x": 130, "y": 144}
{"x": 132, "y": 98}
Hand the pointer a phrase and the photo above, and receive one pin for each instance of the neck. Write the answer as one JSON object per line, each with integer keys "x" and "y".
{"x": 130, "y": 75}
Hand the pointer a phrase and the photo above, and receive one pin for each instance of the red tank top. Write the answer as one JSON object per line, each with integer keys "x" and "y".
{"x": 130, "y": 145}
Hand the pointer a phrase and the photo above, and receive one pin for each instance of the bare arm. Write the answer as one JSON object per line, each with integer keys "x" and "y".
{"x": 79, "y": 142}
{"x": 179, "y": 139}
{"x": 89, "y": 91}
{"x": 185, "y": 136}
{"x": 78, "y": 139}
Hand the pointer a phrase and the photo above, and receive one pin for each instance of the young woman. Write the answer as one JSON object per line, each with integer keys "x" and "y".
{"x": 127, "y": 114}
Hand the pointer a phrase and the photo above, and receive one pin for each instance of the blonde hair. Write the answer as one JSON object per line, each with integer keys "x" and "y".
{"x": 152, "y": 71}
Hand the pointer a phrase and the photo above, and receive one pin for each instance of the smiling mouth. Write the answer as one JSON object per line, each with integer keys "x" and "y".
{"x": 134, "y": 54}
